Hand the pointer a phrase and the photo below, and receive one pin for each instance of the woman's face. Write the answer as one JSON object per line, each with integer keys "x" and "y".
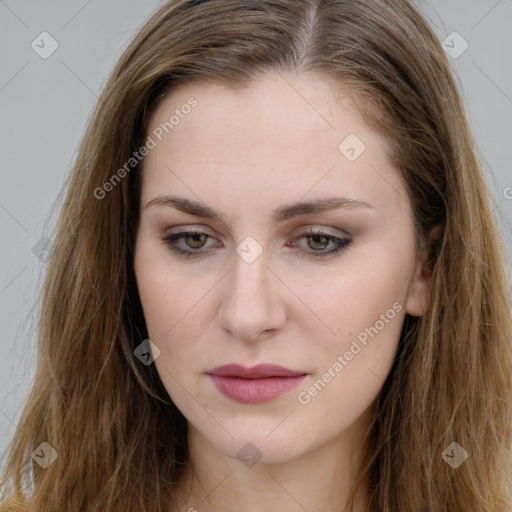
{"x": 304, "y": 258}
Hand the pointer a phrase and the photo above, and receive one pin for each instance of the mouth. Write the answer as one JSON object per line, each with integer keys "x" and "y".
{"x": 258, "y": 384}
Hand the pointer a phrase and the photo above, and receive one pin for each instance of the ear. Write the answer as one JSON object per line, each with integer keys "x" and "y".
{"x": 420, "y": 290}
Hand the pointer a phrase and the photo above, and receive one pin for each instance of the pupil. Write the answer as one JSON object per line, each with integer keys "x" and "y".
{"x": 316, "y": 237}
{"x": 195, "y": 238}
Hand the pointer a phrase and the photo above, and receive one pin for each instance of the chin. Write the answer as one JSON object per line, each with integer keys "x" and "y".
{"x": 251, "y": 446}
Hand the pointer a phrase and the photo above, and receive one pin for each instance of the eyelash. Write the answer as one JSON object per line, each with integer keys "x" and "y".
{"x": 343, "y": 243}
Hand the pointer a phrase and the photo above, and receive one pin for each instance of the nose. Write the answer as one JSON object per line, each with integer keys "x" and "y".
{"x": 252, "y": 303}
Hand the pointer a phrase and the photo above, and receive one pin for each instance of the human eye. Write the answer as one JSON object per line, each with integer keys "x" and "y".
{"x": 319, "y": 240}
{"x": 194, "y": 241}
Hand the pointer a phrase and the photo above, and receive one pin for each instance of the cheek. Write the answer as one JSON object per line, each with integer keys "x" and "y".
{"x": 359, "y": 314}
{"x": 352, "y": 298}
{"x": 176, "y": 309}
{"x": 166, "y": 294}
{"x": 350, "y": 366}
{"x": 153, "y": 293}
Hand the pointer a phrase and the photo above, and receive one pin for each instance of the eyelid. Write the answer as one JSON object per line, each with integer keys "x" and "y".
{"x": 203, "y": 230}
{"x": 326, "y": 230}
{"x": 342, "y": 242}
{"x": 308, "y": 230}
{"x": 189, "y": 231}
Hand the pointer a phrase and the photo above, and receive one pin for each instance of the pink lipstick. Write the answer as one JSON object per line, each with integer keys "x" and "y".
{"x": 260, "y": 383}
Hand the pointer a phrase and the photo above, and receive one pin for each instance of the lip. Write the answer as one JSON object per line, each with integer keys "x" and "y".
{"x": 257, "y": 384}
{"x": 260, "y": 371}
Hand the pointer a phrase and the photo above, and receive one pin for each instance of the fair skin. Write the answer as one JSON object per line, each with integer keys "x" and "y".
{"x": 245, "y": 153}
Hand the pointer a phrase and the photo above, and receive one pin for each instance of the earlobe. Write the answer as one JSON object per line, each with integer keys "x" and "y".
{"x": 418, "y": 300}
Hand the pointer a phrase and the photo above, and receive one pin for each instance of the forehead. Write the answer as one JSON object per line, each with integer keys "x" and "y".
{"x": 290, "y": 101}
{"x": 286, "y": 132}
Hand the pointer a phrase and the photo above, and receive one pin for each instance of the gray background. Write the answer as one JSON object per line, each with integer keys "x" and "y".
{"x": 45, "y": 105}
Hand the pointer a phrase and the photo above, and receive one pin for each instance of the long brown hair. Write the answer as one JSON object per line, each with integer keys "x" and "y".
{"x": 119, "y": 440}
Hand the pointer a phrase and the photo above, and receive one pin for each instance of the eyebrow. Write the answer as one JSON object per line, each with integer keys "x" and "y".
{"x": 280, "y": 214}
